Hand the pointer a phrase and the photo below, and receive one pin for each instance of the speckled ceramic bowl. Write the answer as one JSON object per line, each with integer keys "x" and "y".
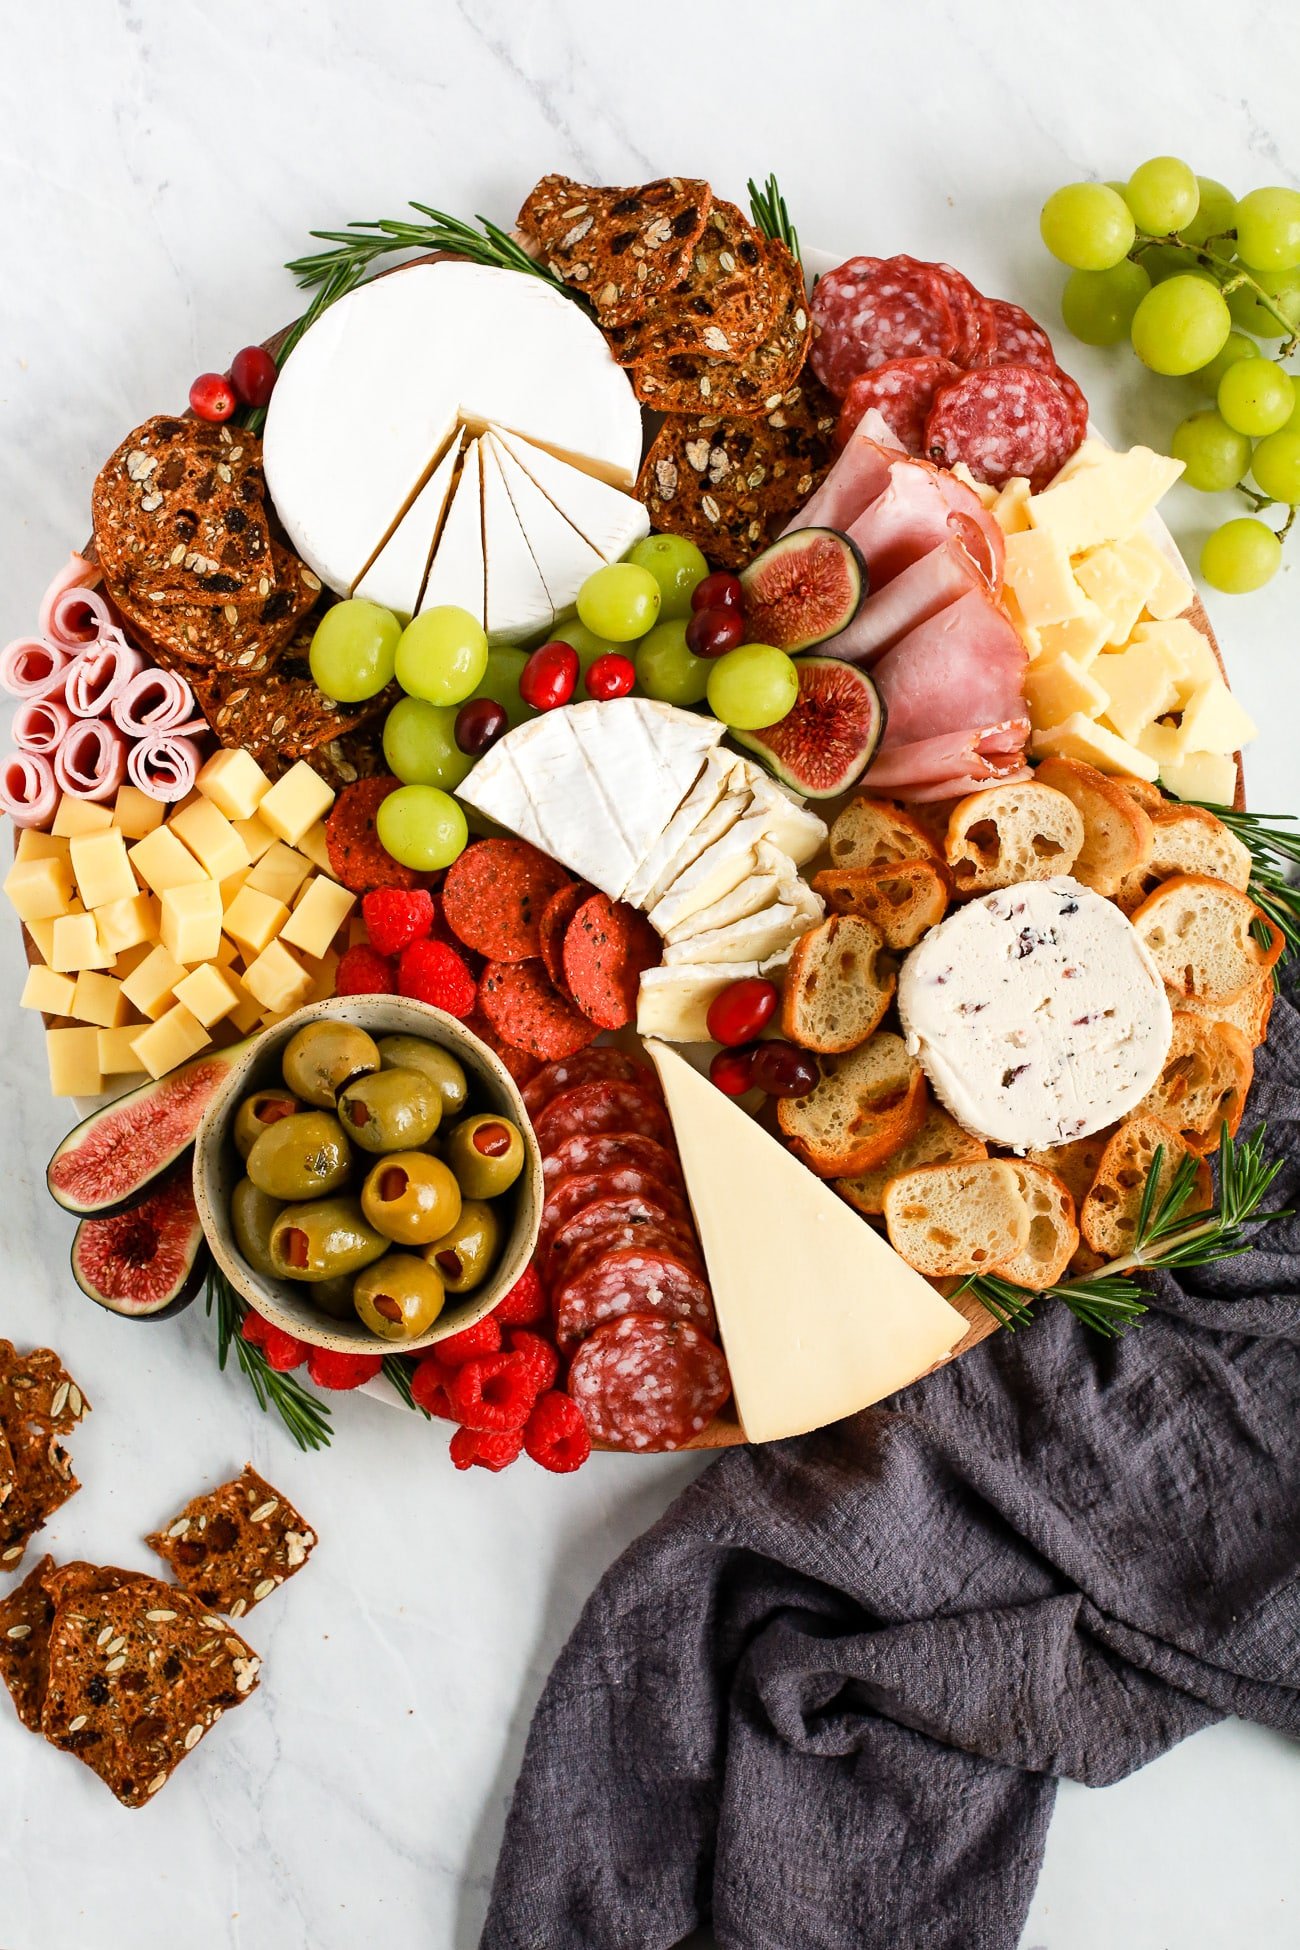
{"x": 218, "y": 1169}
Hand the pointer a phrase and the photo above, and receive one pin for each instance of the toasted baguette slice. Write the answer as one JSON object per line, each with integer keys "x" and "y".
{"x": 1197, "y": 930}
{"x": 902, "y": 900}
{"x": 1011, "y": 833}
{"x": 1110, "y": 1212}
{"x": 1148, "y": 796}
{"x": 1075, "y": 1163}
{"x": 957, "y": 1219}
{"x": 874, "y": 833}
{"x": 939, "y": 1141}
{"x": 1053, "y": 1231}
{"x": 867, "y": 1105}
{"x": 932, "y": 816}
{"x": 1203, "y": 1081}
{"x": 835, "y": 989}
{"x": 1249, "y": 1012}
{"x": 1186, "y": 839}
{"x": 1117, "y": 831}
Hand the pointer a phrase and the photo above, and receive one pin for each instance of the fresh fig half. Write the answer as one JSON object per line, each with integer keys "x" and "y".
{"x": 115, "y": 1153}
{"x": 803, "y": 590}
{"x": 829, "y": 736}
{"x": 148, "y": 1262}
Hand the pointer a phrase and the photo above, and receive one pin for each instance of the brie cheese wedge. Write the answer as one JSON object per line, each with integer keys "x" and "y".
{"x": 760, "y": 890}
{"x": 753, "y": 937}
{"x": 456, "y": 573}
{"x": 564, "y": 558}
{"x": 653, "y": 875}
{"x": 518, "y": 604}
{"x": 395, "y": 579}
{"x": 674, "y": 1002}
{"x": 791, "y": 826}
{"x": 610, "y": 521}
{"x": 722, "y": 866}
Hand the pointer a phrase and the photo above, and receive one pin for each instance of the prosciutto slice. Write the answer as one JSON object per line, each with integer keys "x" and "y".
{"x": 860, "y": 474}
{"x": 73, "y": 613}
{"x": 920, "y": 509}
{"x": 961, "y": 668}
{"x": 915, "y": 595}
{"x": 28, "y": 792}
{"x": 91, "y": 761}
{"x": 952, "y": 762}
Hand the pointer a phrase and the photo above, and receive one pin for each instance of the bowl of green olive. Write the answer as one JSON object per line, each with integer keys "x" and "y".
{"x": 368, "y": 1176}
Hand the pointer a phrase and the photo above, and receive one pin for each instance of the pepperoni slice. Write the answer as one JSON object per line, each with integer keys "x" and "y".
{"x": 607, "y": 1151}
{"x": 494, "y": 896}
{"x": 587, "y": 1066}
{"x": 631, "y": 1280}
{"x": 1003, "y": 420}
{"x": 522, "y": 1067}
{"x": 606, "y": 946}
{"x": 604, "y": 1105}
{"x": 556, "y": 916}
{"x": 570, "y": 1195}
{"x": 525, "y": 1009}
{"x": 902, "y": 392}
{"x": 874, "y": 309}
{"x": 644, "y": 1383}
{"x": 1021, "y": 340}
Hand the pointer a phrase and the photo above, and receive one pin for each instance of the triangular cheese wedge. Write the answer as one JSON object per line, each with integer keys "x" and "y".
{"x": 610, "y": 520}
{"x": 518, "y": 604}
{"x": 818, "y": 1314}
{"x": 564, "y": 557}
{"x": 396, "y": 576}
{"x": 456, "y": 573}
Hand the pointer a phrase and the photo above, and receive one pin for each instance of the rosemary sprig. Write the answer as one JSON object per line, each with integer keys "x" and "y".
{"x": 304, "y": 1415}
{"x": 1167, "y": 1236}
{"x": 398, "y": 1376}
{"x": 358, "y": 247}
{"x": 1275, "y": 854}
{"x": 768, "y": 208}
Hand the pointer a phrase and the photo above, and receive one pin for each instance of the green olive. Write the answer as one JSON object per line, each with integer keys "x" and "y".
{"x": 324, "y": 1056}
{"x": 395, "y": 1110}
{"x": 486, "y": 1153}
{"x": 399, "y": 1297}
{"x": 252, "y": 1214}
{"x": 300, "y": 1157}
{"x": 411, "y": 1197}
{"x": 434, "y": 1062}
{"x": 323, "y": 1240}
{"x": 466, "y": 1251}
{"x": 257, "y": 1114}
{"x": 333, "y": 1297}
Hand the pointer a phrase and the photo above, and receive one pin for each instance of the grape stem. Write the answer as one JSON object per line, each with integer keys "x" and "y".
{"x": 1231, "y": 277}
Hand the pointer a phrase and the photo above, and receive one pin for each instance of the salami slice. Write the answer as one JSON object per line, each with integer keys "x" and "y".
{"x": 1003, "y": 420}
{"x": 644, "y": 1383}
{"x": 1076, "y": 401}
{"x": 587, "y": 1066}
{"x": 902, "y": 392}
{"x": 631, "y": 1281}
{"x": 976, "y": 321}
{"x": 569, "y": 1196}
{"x": 613, "y": 1222}
{"x": 607, "y": 1151}
{"x": 874, "y": 309}
{"x": 603, "y": 1105}
{"x": 1021, "y": 340}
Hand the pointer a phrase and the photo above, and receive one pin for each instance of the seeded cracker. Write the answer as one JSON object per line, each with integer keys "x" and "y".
{"x": 179, "y": 515}
{"x": 226, "y": 636}
{"x": 621, "y": 248}
{"x": 39, "y": 1402}
{"x": 26, "y": 1617}
{"x": 279, "y": 716}
{"x": 685, "y": 383}
{"x": 236, "y": 1545}
{"x": 723, "y": 308}
{"x": 731, "y": 484}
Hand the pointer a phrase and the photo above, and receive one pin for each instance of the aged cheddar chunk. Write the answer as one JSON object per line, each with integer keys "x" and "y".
{"x": 190, "y": 928}
{"x": 124, "y": 924}
{"x": 135, "y": 814}
{"x": 1213, "y": 721}
{"x": 169, "y": 1042}
{"x": 116, "y": 1056}
{"x": 74, "y": 1062}
{"x": 1083, "y": 637}
{"x": 295, "y": 802}
{"x": 211, "y": 838}
{"x": 101, "y": 868}
{"x": 1039, "y": 575}
{"x": 1078, "y": 737}
{"x": 1140, "y": 685}
{"x": 150, "y": 987}
{"x": 254, "y": 919}
{"x": 1210, "y": 777}
{"x": 1105, "y": 501}
{"x": 319, "y": 915}
{"x": 1057, "y": 687}
{"x": 277, "y": 979}
{"x": 234, "y": 782}
{"x": 1118, "y": 579}
{"x": 280, "y": 872}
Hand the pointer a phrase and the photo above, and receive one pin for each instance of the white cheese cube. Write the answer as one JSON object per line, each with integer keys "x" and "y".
{"x": 1104, "y": 501}
{"x": 1057, "y": 687}
{"x": 1078, "y": 737}
{"x": 1213, "y": 721}
{"x": 1210, "y": 777}
{"x": 1139, "y": 684}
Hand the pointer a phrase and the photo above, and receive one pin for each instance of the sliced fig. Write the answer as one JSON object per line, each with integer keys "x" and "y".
{"x": 112, "y": 1156}
{"x": 803, "y": 590}
{"x": 830, "y": 735}
{"x": 147, "y": 1262}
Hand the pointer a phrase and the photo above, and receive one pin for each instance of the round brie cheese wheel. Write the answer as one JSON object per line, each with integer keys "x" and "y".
{"x": 1036, "y": 1013}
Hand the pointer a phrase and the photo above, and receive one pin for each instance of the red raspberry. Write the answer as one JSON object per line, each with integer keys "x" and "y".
{"x": 330, "y": 1369}
{"x": 283, "y": 1352}
{"x": 362, "y": 972}
{"x": 493, "y": 1391}
{"x": 429, "y": 1388}
{"x": 495, "y": 1451}
{"x": 484, "y": 1337}
{"x": 525, "y": 1302}
{"x": 542, "y": 1359}
{"x": 555, "y": 1434}
{"x": 429, "y": 971}
{"x": 254, "y": 1328}
{"x": 395, "y": 918}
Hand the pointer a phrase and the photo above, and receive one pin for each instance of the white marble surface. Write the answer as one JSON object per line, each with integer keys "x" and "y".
{"x": 158, "y": 161}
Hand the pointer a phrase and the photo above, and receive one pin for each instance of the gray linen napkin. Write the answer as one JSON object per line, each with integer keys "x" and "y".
{"x": 824, "y": 1701}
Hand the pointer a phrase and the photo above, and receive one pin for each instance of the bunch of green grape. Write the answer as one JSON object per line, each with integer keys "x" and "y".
{"x": 1196, "y": 277}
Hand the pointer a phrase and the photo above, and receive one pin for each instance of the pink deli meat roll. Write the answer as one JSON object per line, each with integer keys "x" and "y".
{"x": 74, "y": 614}
{"x": 28, "y": 792}
{"x": 91, "y": 761}
{"x": 41, "y": 724}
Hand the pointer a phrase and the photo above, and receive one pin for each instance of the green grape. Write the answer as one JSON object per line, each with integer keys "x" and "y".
{"x": 442, "y": 655}
{"x": 1256, "y": 397}
{"x": 667, "y": 670}
{"x": 1236, "y": 346}
{"x": 1214, "y": 455}
{"x": 1268, "y": 229}
{"x": 1163, "y": 195}
{"x": 500, "y": 681}
{"x": 676, "y": 565}
{"x": 1098, "y": 306}
{"x": 421, "y": 827}
{"x": 1276, "y": 467}
{"x": 1161, "y": 261}
{"x": 420, "y": 744}
{"x": 1180, "y": 325}
{"x": 1242, "y": 555}
{"x": 619, "y": 602}
{"x": 588, "y": 645}
{"x": 1088, "y": 226}
{"x": 1293, "y": 424}
{"x": 1283, "y": 287}
{"x": 1216, "y": 212}
{"x": 352, "y": 651}
{"x": 752, "y": 686}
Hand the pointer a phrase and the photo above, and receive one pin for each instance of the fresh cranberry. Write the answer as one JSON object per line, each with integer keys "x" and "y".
{"x": 611, "y": 676}
{"x": 253, "y": 374}
{"x": 784, "y": 1071}
{"x": 718, "y": 591}
{"x": 712, "y": 632}
{"x": 213, "y": 397}
{"x": 550, "y": 676}
{"x": 479, "y": 724}
{"x": 733, "y": 1071}
{"x": 742, "y": 1010}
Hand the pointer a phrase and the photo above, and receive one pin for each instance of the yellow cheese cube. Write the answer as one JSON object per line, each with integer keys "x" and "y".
{"x": 126, "y": 923}
{"x": 1104, "y": 501}
{"x": 257, "y": 838}
{"x": 227, "y": 953}
{"x": 1139, "y": 684}
{"x": 172, "y": 1040}
{"x": 76, "y": 945}
{"x": 79, "y": 816}
{"x": 1170, "y": 591}
{"x": 987, "y": 495}
{"x": 135, "y": 814}
{"x": 1208, "y": 776}
{"x": 1056, "y": 687}
{"x": 162, "y": 862}
{"x": 234, "y": 782}
{"x": 1159, "y": 741}
{"x": 129, "y": 959}
{"x": 99, "y": 999}
{"x": 150, "y": 987}
{"x": 231, "y": 885}
{"x": 318, "y": 917}
{"x": 1213, "y": 721}
{"x": 248, "y": 1012}
{"x": 39, "y": 889}
{"x": 1009, "y": 508}
{"x": 280, "y": 873}
{"x": 1039, "y": 575}
{"x": 314, "y": 844}
{"x": 1029, "y": 636}
{"x": 1088, "y": 454}
{"x": 211, "y": 838}
{"x": 253, "y": 919}
{"x": 42, "y": 933}
{"x": 102, "y": 869}
{"x": 277, "y": 979}
{"x": 35, "y": 845}
{"x": 322, "y": 980}
{"x": 1083, "y": 637}
{"x": 190, "y": 929}
{"x": 74, "y": 1062}
{"x": 50, "y": 993}
{"x": 1119, "y": 581}
{"x": 208, "y": 994}
{"x": 1078, "y": 737}
{"x": 1187, "y": 649}
{"x": 116, "y": 1056}
{"x": 295, "y": 802}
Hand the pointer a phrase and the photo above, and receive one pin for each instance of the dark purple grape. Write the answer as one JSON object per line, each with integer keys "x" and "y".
{"x": 712, "y": 632}
{"x": 479, "y": 724}
{"x": 784, "y": 1071}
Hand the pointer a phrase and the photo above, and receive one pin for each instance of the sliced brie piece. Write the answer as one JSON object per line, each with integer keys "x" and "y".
{"x": 564, "y": 557}
{"x": 456, "y": 573}
{"x": 674, "y": 1002}
{"x": 518, "y": 604}
{"x": 791, "y": 885}
{"x": 722, "y": 866}
{"x": 753, "y": 937}
{"x": 609, "y": 520}
{"x": 760, "y": 890}
{"x": 395, "y": 578}
{"x": 649, "y": 880}
{"x": 791, "y": 826}
{"x": 716, "y": 823}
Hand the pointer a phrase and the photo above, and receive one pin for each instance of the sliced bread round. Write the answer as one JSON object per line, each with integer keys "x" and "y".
{"x": 1203, "y": 1081}
{"x": 1053, "y": 1231}
{"x": 939, "y": 1141}
{"x": 1199, "y": 932}
{"x": 836, "y": 992}
{"x": 1075, "y": 1163}
{"x": 957, "y": 1219}
{"x": 1110, "y": 1212}
{"x": 1186, "y": 839}
{"x": 1117, "y": 831}
{"x": 874, "y": 833}
{"x": 901, "y": 900}
{"x": 867, "y": 1104}
{"x": 1011, "y": 833}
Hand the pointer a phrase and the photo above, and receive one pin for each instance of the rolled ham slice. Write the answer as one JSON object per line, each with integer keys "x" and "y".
{"x": 28, "y": 792}
{"x": 73, "y": 612}
{"x": 917, "y": 593}
{"x": 40, "y": 725}
{"x": 921, "y": 508}
{"x": 859, "y": 474}
{"x": 958, "y": 788}
{"x": 153, "y": 702}
{"x": 31, "y": 667}
{"x": 961, "y": 669}
{"x": 164, "y": 766}
{"x": 100, "y": 675}
{"x": 91, "y": 761}
{"x": 952, "y": 762}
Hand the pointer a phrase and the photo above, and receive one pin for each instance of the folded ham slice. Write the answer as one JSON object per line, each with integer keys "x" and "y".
{"x": 921, "y": 508}
{"x": 952, "y": 762}
{"x": 962, "y": 668}
{"x": 859, "y": 474}
{"x": 913, "y": 596}
{"x": 91, "y": 761}
{"x": 101, "y": 674}
{"x": 28, "y": 792}
{"x": 41, "y": 725}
